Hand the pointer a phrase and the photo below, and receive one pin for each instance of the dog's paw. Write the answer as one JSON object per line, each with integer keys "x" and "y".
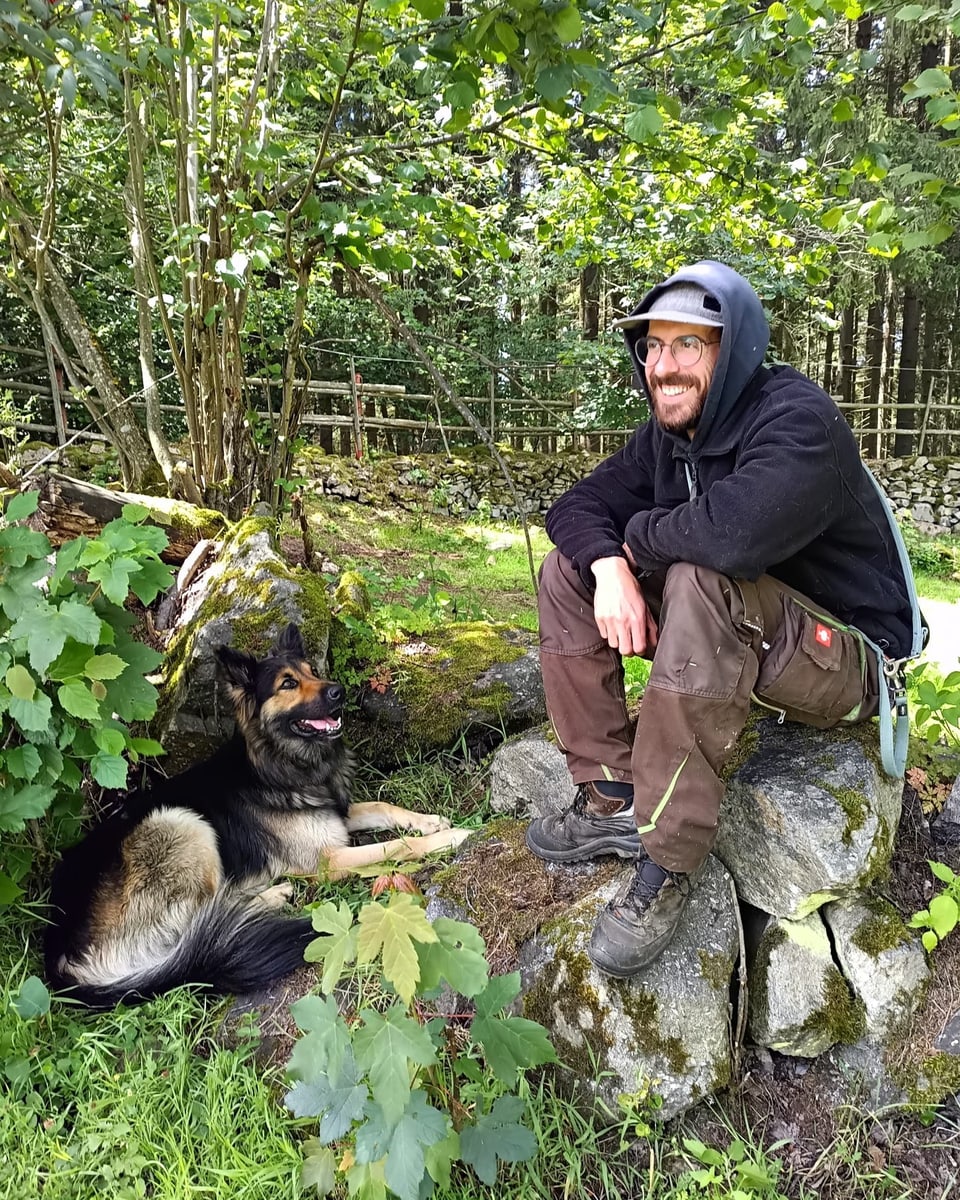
{"x": 459, "y": 836}
{"x": 276, "y": 896}
{"x": 430, "y": 823}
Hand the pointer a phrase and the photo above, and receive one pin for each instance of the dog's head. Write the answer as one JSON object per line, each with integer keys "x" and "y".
{"x": 280, "y": 696}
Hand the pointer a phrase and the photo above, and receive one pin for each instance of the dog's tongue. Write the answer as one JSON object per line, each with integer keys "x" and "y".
{"x": 324, "y": 723}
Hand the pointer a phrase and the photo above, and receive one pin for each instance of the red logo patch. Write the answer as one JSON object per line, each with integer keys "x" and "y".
{"x": 824, "y": 635}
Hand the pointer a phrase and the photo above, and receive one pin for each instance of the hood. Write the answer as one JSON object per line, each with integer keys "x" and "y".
{"x": 743, "y": 342}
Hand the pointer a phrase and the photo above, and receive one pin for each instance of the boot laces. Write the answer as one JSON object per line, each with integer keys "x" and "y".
{"x": 645, "y": 886}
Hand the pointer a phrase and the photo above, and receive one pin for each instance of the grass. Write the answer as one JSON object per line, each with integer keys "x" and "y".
{"x": 148, "y": 1102}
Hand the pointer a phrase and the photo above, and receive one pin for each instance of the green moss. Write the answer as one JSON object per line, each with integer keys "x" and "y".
{"x": 570, "y": 1003}
{"x": 938, "y": 1077}
{"x": 351, "y": 596}
{"x": 884, "y": 929}
{"x": 841, "y": 1016}
{"x": 205, "y": 522}
{"x": 644, "y": 1013}
{"x": 438, "y": 687}
{"x": 854, "y": 807}
{"x": 772, "y": 938}
{"x": 746, "y": 745}
{"x": 716, "y": 969}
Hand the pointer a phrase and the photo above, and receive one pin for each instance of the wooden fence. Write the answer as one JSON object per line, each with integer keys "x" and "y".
{"x": 352, "y": 416}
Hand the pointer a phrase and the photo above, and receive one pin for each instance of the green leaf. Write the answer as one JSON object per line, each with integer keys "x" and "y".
{"x": 777, "y": 11}
{"x": 941, "y": 871}
{"x": 152, "y": 579}
{"x": 506, "y": 36}
{"x": 929, "y": 940}
{"x": 499, "y": 992}
{"x": 145, "y": 746}
{"x": 133, "y": 514}
{"x": 928, "y": 83}
{"x": 458, "y": 956}
{"x": 401, "y": 1143}
{"x": 365, "y": 1181}
{"x": 512, "y": 1043}
{"x": 843, "y": 110}
{"x": 319, "y": 1170}
{"x": 497, "y": 1135}
{"x": 18, "y": 807}
{"x": 391, "y": 930}
{"x": 18, "y": 544}
{"x": 76, "y": 699}
{"x": 643, "y": 124}
{"x": 33, "y": 716}
{"x": 22, "y": 762}
{"x": 384, "y": 1048}
{"x": 20, "y": 682}
{"x": 22, "y": 506}
{"x": 337, "y": 1105}
{"x": 430, "y": 10}
{"x": 32, "y": 1000}
{"x": 104, "y": 666}
{"x": 68, "y": 556}
{"x": 553, "y": 83}
{"x": 322, "y": 1053}
{"x": 338, "y": 947}
{"x": 944, "y": 914}
{"x": 909, "y": 12}
{"x": 9, "y": 890}
{"x": 567, "y": 23}
{"x": 109, "y": 770}
{"x": 113, "y": 575}
{"x": 440, "y": 1157}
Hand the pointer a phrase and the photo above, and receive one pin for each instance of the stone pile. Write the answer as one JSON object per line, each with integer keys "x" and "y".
{"x": 807, "y": 828}
{"x": 927, "y": 488}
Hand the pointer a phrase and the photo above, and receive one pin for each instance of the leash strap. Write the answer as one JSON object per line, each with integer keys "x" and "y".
{"x": 894, "y": 713}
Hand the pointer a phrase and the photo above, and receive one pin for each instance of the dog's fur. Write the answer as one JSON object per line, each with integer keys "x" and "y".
{"x": 176, "y": 888}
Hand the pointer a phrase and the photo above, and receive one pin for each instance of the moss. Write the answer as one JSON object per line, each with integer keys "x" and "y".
{"x": 746, "y": 745}
{"x": 438, "y": 686}
{"x": 570, "y": 1002}
{"x": 854, "y": 807}
{"x": 205, "y": 522}
{"x": 884, "y": 928}
{"x": 841, "y": 1016}
{"x": 772, "y": 938}
{"x": 644, "y": 1012}
{"x": 716, "y": 969}
{"x": 937, "y": 1078}
{"x": 351, "y": 596}
{"x": 814, "y": 901}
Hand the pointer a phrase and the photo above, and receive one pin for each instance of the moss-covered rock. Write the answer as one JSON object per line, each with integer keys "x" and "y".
{"x": 473, "y": 680}
{"x": 666, "y": 1030}
{"x": 243, "y": 600}
{"x": 800, "y": 1004}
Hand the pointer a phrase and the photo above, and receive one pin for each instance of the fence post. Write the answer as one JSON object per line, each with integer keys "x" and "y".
{"x": 493, "y": 406}
{"x": 355, "y": 404}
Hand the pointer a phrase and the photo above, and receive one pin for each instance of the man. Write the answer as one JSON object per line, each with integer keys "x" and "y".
{"x": 738, "y": 542}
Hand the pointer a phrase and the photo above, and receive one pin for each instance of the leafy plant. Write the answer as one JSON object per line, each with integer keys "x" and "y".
{"x": 71, "y": 672}
{"x": 935, "y": 704}
{"x": 736, "y": 1173}
{"x": 943, "y": 914}
{"x": 405, "y": 1094}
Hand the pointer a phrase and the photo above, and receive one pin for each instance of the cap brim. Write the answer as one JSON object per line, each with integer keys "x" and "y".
{"x": 682, "y": 318}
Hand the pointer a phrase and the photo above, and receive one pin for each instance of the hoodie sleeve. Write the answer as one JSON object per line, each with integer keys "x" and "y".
{"x": 590, "y": 520}
{"x": 787, "y": 488}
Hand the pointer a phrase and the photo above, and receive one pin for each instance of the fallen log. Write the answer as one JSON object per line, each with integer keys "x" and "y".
{"x": 69, "y": 508}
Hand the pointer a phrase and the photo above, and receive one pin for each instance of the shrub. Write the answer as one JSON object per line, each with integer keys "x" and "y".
{"x": 71, "y": 672}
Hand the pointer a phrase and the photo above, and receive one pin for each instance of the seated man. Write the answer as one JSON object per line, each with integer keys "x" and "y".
{"x": 738, "y": 542}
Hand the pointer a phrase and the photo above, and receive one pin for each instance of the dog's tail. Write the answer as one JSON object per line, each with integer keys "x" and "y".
{"x": 229, "y": 945}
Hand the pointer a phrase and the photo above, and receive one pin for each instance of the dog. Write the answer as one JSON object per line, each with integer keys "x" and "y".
{"x": 178, "y": 887}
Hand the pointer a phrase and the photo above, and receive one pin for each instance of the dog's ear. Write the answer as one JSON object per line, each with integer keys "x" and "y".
{"x": 289, "y": 642}
{"x": 237, "y": 669}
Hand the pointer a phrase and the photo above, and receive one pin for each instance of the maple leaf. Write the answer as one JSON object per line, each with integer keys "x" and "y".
{"x": 390, "y": 930}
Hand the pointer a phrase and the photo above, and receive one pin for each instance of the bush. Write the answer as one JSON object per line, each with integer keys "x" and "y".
{"x": 71, "y": 672}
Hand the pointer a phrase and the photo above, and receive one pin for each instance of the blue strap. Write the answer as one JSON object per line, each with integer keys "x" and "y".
{"x": 895, "y": 733}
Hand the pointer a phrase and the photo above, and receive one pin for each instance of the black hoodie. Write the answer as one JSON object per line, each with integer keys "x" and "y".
{"x": 771, "y": 483}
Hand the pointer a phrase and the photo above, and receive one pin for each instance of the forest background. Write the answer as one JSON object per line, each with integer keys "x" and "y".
{"x": 441, "y": 193}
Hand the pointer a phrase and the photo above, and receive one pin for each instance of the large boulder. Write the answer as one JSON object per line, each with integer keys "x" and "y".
{"x": 664, "y": 1032}
{"x": 243, "y": 599}
{"x": 809, "y": 817}
{"x": 529, "y": 777}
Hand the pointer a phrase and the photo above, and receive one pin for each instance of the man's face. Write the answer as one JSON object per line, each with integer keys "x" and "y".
{"x": 678, "y": 393}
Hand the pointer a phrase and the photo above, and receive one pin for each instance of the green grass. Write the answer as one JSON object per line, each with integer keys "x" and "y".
{"x": 935, "y": 587}
{"x": 135, "y": 1103}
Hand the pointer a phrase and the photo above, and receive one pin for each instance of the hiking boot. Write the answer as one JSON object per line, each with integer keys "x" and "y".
{"x": 639, "y": 922}
{"x": 578, "y": 833}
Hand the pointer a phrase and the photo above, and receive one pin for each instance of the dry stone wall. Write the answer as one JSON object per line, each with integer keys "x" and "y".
{"x": 471, "y": 482}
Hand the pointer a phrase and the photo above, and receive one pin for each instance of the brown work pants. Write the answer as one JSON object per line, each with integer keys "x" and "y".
{"x": 721, "y": 642}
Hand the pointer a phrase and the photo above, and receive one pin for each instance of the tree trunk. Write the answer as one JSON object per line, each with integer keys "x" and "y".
{"x": 906, "y": 418}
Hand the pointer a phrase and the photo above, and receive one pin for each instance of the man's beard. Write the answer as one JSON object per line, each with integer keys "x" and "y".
{"x": 681, "y": 420}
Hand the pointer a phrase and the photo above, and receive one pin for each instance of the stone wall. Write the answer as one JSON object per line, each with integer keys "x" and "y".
{"x": 471, "y": 482}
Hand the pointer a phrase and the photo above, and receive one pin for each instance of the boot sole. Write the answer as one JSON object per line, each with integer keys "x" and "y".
{"x": 623, "y": 847}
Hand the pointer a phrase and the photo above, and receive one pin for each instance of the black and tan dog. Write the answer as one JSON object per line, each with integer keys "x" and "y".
{"x": 176, "y": 888}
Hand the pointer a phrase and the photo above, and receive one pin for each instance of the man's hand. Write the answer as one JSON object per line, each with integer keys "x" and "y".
{"x": 620, "y": 610}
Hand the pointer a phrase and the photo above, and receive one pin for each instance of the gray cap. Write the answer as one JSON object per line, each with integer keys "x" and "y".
{"x": 686, "y": 302}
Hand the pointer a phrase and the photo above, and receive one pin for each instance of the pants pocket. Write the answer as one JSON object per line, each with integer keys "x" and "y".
{"x": 815, "y": 669}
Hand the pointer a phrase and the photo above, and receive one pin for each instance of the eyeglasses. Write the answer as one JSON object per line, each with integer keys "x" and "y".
{"x": 686, "y": 350}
